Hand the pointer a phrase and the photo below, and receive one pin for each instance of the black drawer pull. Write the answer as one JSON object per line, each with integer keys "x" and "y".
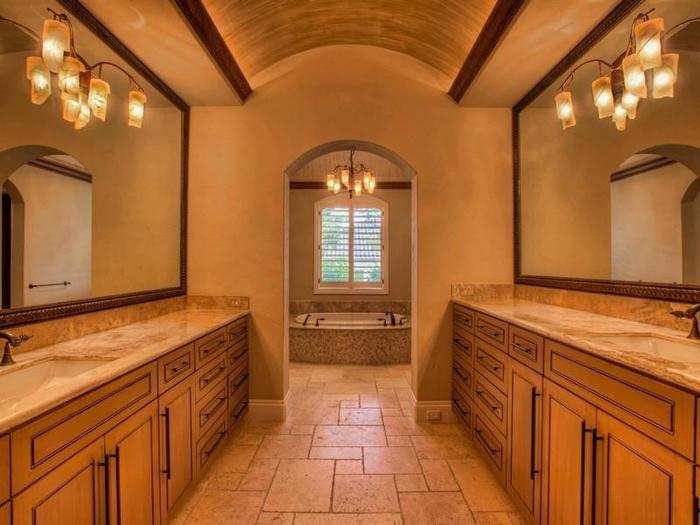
{"x": 523, "y": 348}
{"x": 493, "y": 332}
{"x": 491, "y": 449}
{"x": 205, "y": 380}
{"x": 241, "y": 379}
{"x": 240, "y": 410}
{"x": 493, "y": 367}
{"x": 463, "y": 377}
{"x": 182, "y": 365}
{"x": 483, "y": 395}
{"x": 204, "y": 416}
{"x": 459, "y": 408}
{"x": 206, "y": 453}
{"x": 212, "y": 346}
{"x": 240, "y": 354}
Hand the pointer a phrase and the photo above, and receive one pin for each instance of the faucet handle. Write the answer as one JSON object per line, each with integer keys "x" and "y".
{"x": 21, "y": 338}
{"x": 681, "y": 314}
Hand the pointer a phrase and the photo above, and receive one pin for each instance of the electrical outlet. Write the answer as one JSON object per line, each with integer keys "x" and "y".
{"x": 434, "y": 415}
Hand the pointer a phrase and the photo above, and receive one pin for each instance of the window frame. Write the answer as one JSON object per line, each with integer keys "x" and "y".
{"x": 351, "y": 287}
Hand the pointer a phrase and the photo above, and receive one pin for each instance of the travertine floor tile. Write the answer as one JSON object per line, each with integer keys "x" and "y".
{"x": 302, "y": 429}
{"x": 360, "y": 416}
{"x": 391, "y": 460}
{"x": 260, "y": 474}
{"x": 348, "y": 466}
{"x": 480, "y": 487}
{"x": 301, "y": 485}
{"x": 364, "y": 493}
{"x": 438, "y": 508}
{"x": 347, "y": 519}
{"x": 499, "y": 518}
{"x": 442, "y": 447}
{"x": 285, "y": 446}
{"x": 276, "y": 518}
{"x": 438, "y": 475}
{"x": 234, "y": 458}
{"x": 217, "y": 507}
{"x": 336, "y": 452}
{"x": 399, "y": 441}
{"x": 349, "y": 436}
{"x": 411, "y": 483}
{"x": 402, "y": 426}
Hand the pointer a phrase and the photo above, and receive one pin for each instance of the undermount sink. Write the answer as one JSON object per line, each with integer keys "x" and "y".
{"x": 671, "y": 349}
{"x": 16, "y": 383}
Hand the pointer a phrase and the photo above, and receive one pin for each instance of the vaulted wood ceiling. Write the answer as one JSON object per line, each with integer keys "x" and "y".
{"x": 437, "y": 32}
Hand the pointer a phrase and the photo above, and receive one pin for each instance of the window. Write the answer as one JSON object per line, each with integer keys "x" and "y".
{"x": 351, "y": 243}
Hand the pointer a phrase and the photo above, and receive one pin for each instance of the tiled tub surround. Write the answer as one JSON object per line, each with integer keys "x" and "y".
{"x": 376, "y": 345}
{"x": 559, "y": 400}
{"x": 363, "y": 305}
{"x": 124, "y": 349}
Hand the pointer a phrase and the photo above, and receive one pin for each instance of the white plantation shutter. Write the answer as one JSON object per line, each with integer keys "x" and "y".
{"x": 367, "y": 245}
{"x": 335, "y": 245}
{"x": 351, "y": 238}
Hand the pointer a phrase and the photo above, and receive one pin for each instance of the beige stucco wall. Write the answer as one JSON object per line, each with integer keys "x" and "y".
{"x": 136, "y": 180}
{"x": 647, "y": 233}
{"x": 302, "y": 246}
{"x": 236, "y": 207}
{"x": 690, "y": 219}
{"x": 565, "y": 182}
{"x": 57, "y": 235}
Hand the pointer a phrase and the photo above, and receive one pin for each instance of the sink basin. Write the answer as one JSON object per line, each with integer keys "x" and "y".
{"x": 16, "y": 383}
{"x": 672, "y": 349}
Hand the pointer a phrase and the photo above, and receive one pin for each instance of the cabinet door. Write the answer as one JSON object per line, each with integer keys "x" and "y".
{"x": 525, "y": 438}
{"x": 71, "y": 493}
{"x": 567, "y": 457}
{"x": 176, "y": 449}
{"x": 5, "y": 514}
{"x": 640, "y": 480}
{"x": 132, "y": 452}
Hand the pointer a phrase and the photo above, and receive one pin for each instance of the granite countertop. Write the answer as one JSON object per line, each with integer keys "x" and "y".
{"x": 123, "y": 349}
{"x": 679, "y": 366}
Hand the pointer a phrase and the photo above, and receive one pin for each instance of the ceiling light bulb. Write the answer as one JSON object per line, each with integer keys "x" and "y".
{"x": 137, "y": 108}
{"x": 71, "y": 106}
{"x": 336, "y": 186}
{"x": 619, "y": 117}
{"x": 39, "y": 80}
{"x": 357, "y": 183}
{"x": 647, "y": 41}
{"x": 97, "y": 97}
{"x": 83, "y": 115}
{"x": 372, "y": 184}
{"x": 330, "y": 181}
{"x": 603, "y": 96}
{"x": 635, "y": 81}
{"x": 345, "y": 177}
{"x": 565, "y": 109}
{"x": 665, "y": 76}
{"x": 69, "y": 75}
{"x": 55, "y": 42}
{"x": 629, "y": 103}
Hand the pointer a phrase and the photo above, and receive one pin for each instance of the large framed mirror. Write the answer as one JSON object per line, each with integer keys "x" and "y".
{"x": 90, "y": 218}
{"x": 606, "y": 210}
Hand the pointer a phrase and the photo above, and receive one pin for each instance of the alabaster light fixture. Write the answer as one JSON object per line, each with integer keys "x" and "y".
{"x": 354, "y": 178}
{"x": 82, "y": 89}
{"x": 617, "y": 93}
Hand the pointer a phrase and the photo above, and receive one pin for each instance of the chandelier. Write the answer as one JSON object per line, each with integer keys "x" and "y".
{"x": 82, "y": 89}
{"x": 643, "y": 68}
{"x": 355, "y": 179}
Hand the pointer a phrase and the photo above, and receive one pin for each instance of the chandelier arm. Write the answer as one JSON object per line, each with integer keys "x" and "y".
{"x": 21, "y": 26}
{"x": 688, "y": 21}
{"x": 570, "y": 76}
{"x": 117, "y": 66}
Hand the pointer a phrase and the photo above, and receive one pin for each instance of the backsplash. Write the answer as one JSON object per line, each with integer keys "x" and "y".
{"x": 482, "y": 291}
{"x": 310, "y": 307}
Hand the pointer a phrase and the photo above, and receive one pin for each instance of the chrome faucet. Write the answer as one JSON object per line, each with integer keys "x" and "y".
{"x": 690, "y": 313}
{"x": 392, "y": 317}
{"x": 11, "y": 341}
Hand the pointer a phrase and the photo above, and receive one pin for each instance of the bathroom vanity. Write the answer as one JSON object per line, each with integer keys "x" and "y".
{"x": 119, "y": 439}
{"x": 583, "y": 418}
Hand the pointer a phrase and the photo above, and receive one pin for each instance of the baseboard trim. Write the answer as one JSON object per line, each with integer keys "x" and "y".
{"x": 268, "y": 409}
{"x": 445, "y": 408}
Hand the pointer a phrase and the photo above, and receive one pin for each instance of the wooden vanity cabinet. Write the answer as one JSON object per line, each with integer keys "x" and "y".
{"x": 5, "y": 514}
{"x": 4, "y": 469}
{"x": 525, "y": 438}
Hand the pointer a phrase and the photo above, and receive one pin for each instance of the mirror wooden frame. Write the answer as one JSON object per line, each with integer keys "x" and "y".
{"x": 33, "y": 314}
{"x": 661, "y": 291}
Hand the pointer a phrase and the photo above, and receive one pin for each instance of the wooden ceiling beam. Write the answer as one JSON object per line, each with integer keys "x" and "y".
{"x": 196, "y": 15}
{"x": 498, "y": 22}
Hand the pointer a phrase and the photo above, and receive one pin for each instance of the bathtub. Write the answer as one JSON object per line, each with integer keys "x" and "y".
{"x": 366, "y": 338}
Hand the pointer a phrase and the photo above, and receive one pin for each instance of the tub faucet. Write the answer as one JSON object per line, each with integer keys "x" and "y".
{"x": 690, "y": 313}
{"x": 392, "y": 317}
{"x": 11, "y": 341}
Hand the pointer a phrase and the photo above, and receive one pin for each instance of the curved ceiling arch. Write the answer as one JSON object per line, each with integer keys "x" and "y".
{"x": 439, "y": 33}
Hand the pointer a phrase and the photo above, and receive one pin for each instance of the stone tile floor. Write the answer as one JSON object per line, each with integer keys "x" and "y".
{"x": 349, "y": 453}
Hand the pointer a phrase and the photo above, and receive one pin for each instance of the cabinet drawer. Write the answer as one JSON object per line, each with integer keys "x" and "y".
{"x": 462, "y": 406}
{"x": 209, "y": 346}
{"x": 238, "y": 409}
{"x": 526, "y": 347}
{"x": 492, "y": 330}
{"x": 491, "y": 443}
{"x": 237, "y": 331}
{"x": 238, "y": 353}
{"x": 207, "y": 378}
{"x": 43, "y": 444}
{"x": 462, "y": 374}
{"x": 238, "y": 382}
{"x": 463, "y": 318}
{"x": 4, "y": 468}
{"x": 210, "y": 408}
{"x": 175, "y": 367}
{"x": 5, "y": 514}
{"x": 492, "y": 364}
{"x": 492, "y": 402}
{"x": 209, "y": 444}
{"x": 661, "y": 411}
{"x": 463, "y": 344}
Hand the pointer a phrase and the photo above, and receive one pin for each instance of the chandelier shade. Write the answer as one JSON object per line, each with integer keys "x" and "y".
{"x": 629, "y": 103}
{"x": 565, "y": 109}
{"x": 665, "y": 76}
{"x": 619, "y": 116}
{"x": 70, "y": 107}
{"x": 635, "y": 80}
{"x": 69, "y": 75}
{"x": 603, "y": 96}
{"x": 97, "y": 97}
{"x": 55, "y": 42}
{"x": 137, "y": 104}
{"x": 83, "y": 115}
{"x": 39, "y": 80}
{"x": 647, "y": 41}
